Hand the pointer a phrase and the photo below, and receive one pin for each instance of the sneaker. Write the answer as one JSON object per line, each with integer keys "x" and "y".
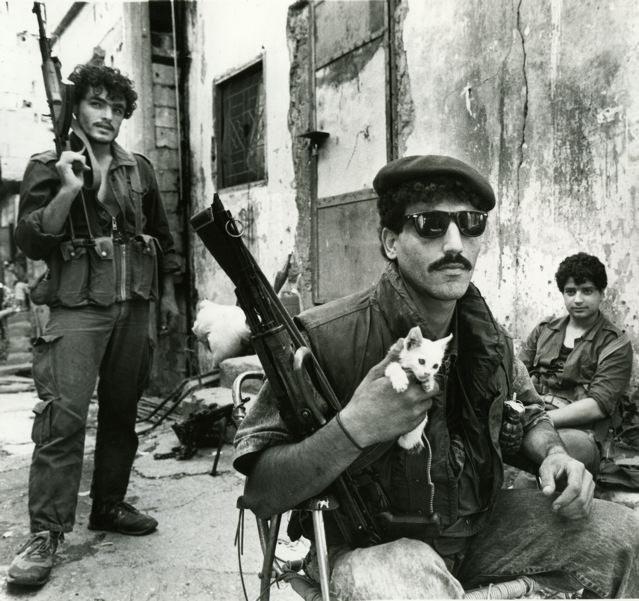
{"x": 123, "y": 518}
{"x": 32, "y": 564}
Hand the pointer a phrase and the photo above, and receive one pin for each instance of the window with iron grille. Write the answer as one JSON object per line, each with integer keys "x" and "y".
{"x": 241, "y": 127}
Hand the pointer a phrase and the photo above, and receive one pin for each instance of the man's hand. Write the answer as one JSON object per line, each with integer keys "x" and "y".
{"x": 377, "y": 413}
{"x": 575, "y": 500}
{"x": 168, "y": 306}
{"x": 71, "y": 167}
{"x": 168, "y": 312}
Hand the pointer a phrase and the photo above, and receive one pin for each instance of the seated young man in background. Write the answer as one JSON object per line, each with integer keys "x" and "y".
{"x": 580, "y": 363}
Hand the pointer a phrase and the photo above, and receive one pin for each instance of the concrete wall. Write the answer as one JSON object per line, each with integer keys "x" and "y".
{"x": 225, "y": 36}
{"x": 22, "y": 97}
{"x": 541, "y": 97}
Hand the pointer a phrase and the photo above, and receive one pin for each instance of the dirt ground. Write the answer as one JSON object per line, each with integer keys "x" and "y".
{"x": 191, "y": 556}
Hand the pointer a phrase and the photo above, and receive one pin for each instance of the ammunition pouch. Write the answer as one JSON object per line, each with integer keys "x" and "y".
{"x": 98, "y": 272}
{"x": 142, "y": 268}
{"x": 82, "y": 272}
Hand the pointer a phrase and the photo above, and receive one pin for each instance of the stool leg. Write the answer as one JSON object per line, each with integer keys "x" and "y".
{"x": 322, "y": 552}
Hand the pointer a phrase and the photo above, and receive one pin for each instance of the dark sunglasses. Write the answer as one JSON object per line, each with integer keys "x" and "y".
{"x": 434, "y": 224}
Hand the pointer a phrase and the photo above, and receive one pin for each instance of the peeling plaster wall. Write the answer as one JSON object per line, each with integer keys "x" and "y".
{"x": 541, "y": 97}
{"x": 223, "y": 37}
{"x": 469, "y": 104}
{"x": 22, "y": 96}
{"x": 580, "y": 166}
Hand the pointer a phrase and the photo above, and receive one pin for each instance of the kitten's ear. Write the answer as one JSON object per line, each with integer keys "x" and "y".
{"x": 414, "y": 338}
{"x": 446, "y": 340}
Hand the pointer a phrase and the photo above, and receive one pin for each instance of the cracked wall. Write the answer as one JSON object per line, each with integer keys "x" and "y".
{"x": 540, "y": 96}
{"x": 225, "y": 37}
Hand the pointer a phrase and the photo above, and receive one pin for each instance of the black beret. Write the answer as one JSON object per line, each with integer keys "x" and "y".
{"x": 432, "y": 167}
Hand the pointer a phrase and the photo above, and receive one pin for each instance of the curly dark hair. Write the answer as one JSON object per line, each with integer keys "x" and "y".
{"x": 582, "y": 267}
{"x": 101, "y": 77}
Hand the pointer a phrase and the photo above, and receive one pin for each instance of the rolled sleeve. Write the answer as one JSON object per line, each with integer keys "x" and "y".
{"x": 529, "y": 348}
{"x": 612, "y": 376}
{"x": 39, "y": 185}
{"x": 533, "y": 403}
{"x": 261, "y": 428}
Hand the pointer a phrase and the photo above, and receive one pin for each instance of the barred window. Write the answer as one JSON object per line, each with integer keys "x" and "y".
{"x": 241, "y": 127}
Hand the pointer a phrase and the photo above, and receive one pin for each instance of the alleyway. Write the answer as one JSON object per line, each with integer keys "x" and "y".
{"x": 191, "y": 556}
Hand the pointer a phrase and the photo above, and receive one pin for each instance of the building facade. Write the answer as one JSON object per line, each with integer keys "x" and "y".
{"x": 539, "y": 96}
{"x": 288, "y": 109}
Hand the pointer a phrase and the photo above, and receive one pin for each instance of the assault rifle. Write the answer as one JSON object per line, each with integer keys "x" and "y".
{"x": 305, "y": 398}
{"x": 60, "y": 100}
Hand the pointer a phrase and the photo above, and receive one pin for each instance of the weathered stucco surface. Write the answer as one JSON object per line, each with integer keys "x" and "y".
{"x": 540, "y": 96}
{"x": 357, "y": 137}
{"x": 225, "y": 36}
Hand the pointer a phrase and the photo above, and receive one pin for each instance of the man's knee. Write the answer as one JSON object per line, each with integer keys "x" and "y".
{"x": 402, "y": 569}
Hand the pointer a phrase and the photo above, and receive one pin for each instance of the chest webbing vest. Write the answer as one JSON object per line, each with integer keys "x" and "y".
{"x": 103, "y": 269}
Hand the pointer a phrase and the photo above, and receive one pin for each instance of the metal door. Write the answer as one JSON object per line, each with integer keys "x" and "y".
{"x": 351, "y": 91}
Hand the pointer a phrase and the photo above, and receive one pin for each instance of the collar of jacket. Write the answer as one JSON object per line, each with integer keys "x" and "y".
{"x": 560, "y": 324}
{"x": 121, "y": 157}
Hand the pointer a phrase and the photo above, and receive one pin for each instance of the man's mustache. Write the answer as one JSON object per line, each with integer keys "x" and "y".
{"x": 105, "y": 125}
{"x": 457, "y": 260}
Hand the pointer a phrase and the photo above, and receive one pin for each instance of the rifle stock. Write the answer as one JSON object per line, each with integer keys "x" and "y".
{"x": 302, "y": 391}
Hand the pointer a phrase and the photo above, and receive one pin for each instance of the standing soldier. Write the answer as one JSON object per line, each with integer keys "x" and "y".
{"x": 104, "y": 250}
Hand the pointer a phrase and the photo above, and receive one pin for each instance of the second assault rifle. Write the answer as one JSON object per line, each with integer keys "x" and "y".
{"x": 305, "y": 398}
{"x": 60, "y": 100}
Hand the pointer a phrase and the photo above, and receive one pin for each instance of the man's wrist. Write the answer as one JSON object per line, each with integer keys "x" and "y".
{"x": 555, "y": 449}
{"x": 347, "y": 423}
{"x": 69, "y": 190}
{"x": 347, "y": 433}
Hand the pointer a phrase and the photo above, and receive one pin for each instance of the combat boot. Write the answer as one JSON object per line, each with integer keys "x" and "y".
{"x": 121, "y": 517}
{"x": 32, "y": 564}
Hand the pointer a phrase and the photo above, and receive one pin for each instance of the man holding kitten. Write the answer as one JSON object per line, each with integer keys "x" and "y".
{"x": 467, "y": 529}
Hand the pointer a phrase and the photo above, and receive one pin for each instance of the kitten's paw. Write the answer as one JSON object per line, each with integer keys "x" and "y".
{"x": 428, "y": 384}
{"x": 397, "y": 376}
{"x": 411, "y": 441}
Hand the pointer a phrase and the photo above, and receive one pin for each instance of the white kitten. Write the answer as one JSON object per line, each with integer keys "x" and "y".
{"x": 422, "y": 358}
